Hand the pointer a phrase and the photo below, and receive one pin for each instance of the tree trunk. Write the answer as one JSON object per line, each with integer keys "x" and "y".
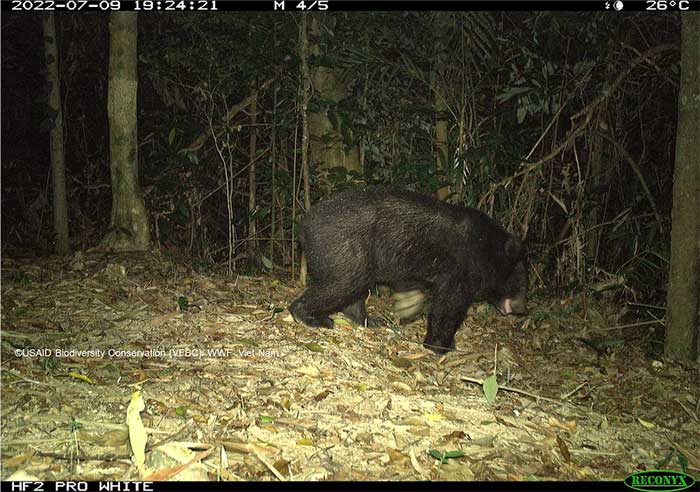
{"x": 595, "y": 178}
{"x": 442, "y": 157}
{"x": 273, "y": 187}
{"x": 252, "y": 178}
{"x": 305, "y": 96}
{"x": 328, "y": 147}
{"x": 442, "y": 149}
{"x": 129, "y": 229}
{"x": 58, "y": 161}
{"x": 684, "y": 284}
{"x": 273, "y": 157}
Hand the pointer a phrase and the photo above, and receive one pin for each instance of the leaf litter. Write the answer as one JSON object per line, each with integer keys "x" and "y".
{"x": 233, "y": 389}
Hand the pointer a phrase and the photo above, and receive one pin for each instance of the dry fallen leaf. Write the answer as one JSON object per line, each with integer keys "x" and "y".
{"x": 432, "y": 417}
{"x": 414, "y": 462}
{"x": 309, "y": 371}
{"x": 81, "y": 377}
{"x": 17, "y": 460}
{"x": 567, "y": 426}
{"x": 416, "y": 355}
{"x": 137, "y": 432}
{"x": 402, "y": 387}
{"x": 564, "y": 449}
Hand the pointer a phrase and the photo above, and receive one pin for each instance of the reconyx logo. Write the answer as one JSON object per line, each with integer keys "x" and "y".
{"x": 665, "y": 480}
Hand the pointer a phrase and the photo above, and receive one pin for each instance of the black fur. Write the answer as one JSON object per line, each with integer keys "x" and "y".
{"x": 366, "y": 236}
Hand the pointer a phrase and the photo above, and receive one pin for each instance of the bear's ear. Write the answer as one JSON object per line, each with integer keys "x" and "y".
{"x": 514, "y": 248}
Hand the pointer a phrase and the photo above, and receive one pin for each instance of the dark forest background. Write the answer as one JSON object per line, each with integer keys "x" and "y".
{"x": 559, "y": 125}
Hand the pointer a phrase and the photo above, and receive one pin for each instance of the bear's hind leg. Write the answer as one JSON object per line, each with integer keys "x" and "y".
{"x": 319, "y": 301}
{"x": 311, "y": 310}
{"x": 357, "y": 313}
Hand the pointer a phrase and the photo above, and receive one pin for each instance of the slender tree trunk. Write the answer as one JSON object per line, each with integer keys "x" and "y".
{"x": 305, "y": 96}
{"x": 252, "y": 178}
{"x": 441, "y": 148}
{"x": 362, "y": 144}
{"x": 58, "y": 161}
{"x": 273, "y": 191}
{"x": 283, "y": 166}
{"x": 129, "y": 229}
{"x": 593, "y": 181}
{"x": 273, "y": 138}
{"x": 683, "y": 301}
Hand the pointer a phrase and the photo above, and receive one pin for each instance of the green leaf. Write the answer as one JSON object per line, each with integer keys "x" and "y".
{"x": 443, "y": 456}
{"x": 313, "y": 347}
{"x": 183, "y": 303}
{"x": 453, "y": 454}
{"x": 438, "y": 455}
{"x": 181, "y": 411}
{"x": 265, "y": 419}
{"x": 490, "y": 387}
{"x": 74, "y": 425}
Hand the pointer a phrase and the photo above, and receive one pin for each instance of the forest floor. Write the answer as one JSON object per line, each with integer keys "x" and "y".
{"x": 234, "y": 389}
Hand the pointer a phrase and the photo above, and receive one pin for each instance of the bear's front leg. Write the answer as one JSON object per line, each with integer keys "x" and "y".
{"x": 449, "y": 307}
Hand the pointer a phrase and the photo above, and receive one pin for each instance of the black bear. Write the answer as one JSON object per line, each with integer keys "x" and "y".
{"x": 411, "y": 242}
